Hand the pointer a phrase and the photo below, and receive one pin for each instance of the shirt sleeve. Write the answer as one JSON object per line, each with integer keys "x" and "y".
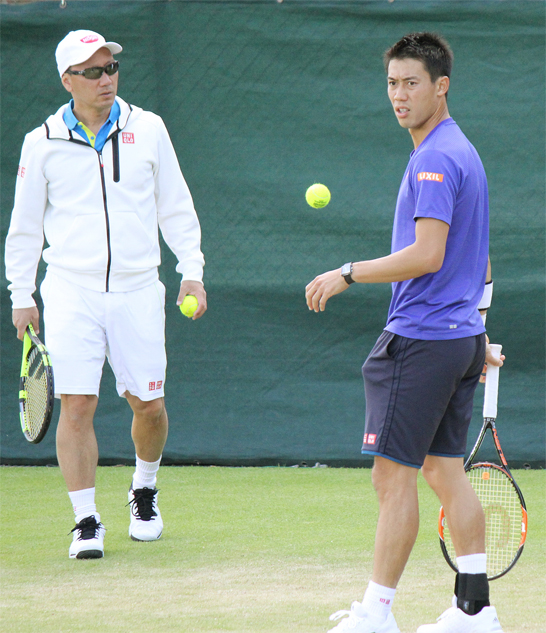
{"x": 176, "y": 214}
{"x": 25, "y": 237}
{"x": 436, "y": 180}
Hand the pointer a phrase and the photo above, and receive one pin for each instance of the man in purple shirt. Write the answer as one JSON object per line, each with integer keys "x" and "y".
{"x": 421, "y": 375}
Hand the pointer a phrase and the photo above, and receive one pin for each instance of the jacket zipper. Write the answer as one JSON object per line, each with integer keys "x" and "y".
{"x": 107, "y": 221}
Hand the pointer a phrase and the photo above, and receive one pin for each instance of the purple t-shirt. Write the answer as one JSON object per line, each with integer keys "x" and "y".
{"x": 445, "y": 180}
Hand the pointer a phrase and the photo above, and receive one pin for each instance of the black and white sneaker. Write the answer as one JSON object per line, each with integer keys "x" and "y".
{"x": 146, "y": 522}
{"x": 88, "y": 539}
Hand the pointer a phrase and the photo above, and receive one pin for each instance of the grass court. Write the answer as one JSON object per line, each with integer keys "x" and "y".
{"x": 245, "y": 550}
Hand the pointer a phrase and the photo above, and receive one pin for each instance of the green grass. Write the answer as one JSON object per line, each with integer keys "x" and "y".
{"x": 244, "y": 549}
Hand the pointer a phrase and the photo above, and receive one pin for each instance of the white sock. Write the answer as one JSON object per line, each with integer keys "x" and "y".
{"x": 378, "y": 602}
{"x": 83, "y": 502}
{"x": 472, "y": 564}
{"x": 145, "y": 473}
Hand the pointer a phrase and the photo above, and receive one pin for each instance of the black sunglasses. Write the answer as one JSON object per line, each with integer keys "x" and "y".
{"x": 96, "y": 71}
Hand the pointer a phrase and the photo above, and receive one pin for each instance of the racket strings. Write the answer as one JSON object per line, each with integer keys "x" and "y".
{"x": 36, "y": 386}
{"x": 503, "y": 517}
{"x": 502, "y": 509}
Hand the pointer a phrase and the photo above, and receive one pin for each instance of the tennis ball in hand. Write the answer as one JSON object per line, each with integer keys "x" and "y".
{"x": 189, "y": 306}
{"x": 318, "y": 196}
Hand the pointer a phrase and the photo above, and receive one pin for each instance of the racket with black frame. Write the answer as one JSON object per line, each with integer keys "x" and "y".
{"x": 498, "y": 492}
{"x": 36, "y": 390}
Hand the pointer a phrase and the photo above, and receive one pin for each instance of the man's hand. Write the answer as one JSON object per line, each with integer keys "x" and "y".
{"x": 322, "y": 288}
{"x": 22, "y": 317}
{"x": 490, "y": 360}
{"x": 196, "y": 289}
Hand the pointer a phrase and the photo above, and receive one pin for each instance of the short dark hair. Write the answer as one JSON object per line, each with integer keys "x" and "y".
{"x": 429, "y": 48}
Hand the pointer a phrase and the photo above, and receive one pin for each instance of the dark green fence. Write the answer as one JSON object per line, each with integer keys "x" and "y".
{"x": 262, "y": 99}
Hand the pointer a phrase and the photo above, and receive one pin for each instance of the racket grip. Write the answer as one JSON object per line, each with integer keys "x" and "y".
{"x": 492, "y": 385}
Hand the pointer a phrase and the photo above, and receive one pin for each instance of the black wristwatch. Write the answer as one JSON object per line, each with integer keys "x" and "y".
{"x": 346, "y": 272}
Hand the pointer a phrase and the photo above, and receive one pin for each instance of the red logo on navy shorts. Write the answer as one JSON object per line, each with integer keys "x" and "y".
{"x": 371, "y": 438}
{"x": 127, "y": 137}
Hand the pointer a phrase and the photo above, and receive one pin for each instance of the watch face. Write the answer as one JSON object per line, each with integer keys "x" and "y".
{"x": 346, "y": 269}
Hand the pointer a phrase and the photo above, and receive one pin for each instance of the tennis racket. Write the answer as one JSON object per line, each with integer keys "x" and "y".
{"x": 499, "y": 494}
{"x": 36, "y": 391}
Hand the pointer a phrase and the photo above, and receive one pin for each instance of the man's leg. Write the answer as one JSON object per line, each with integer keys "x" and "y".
{"x": 398, "y": 523}
{"x": 77, "y": 453}
{"x": 150, "y": 427}
{"x": 446, "y": 476}
{"x": 466, "y": 520}
{"x": 149, "y": 433}
{"x": 77, "y": 449}
{"x": 397, "y": 527}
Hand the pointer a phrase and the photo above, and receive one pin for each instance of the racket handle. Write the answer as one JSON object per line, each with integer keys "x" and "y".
{"x": 492, "y": 385}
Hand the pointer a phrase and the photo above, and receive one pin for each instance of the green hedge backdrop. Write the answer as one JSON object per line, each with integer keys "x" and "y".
{"x": 262, "y": 99}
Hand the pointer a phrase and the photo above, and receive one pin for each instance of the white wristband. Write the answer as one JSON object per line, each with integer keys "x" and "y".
{"x": 487, "y": 296}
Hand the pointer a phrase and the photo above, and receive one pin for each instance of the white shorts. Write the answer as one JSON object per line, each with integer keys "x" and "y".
{"x": 83, "y": 327}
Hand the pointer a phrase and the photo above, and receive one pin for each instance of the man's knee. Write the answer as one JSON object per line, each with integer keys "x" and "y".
{"x": 442, "y": 473}
{"x": 78, "y": 409}
{"x": 390, "y": 477}
{"x": 151, "y": 410}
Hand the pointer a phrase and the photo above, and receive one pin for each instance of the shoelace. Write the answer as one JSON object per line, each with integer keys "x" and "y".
{"x": 88, "y": 527}
{"x": 142, "y": 505}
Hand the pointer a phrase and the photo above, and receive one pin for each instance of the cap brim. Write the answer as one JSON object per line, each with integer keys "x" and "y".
{"x": 114, "y": 47}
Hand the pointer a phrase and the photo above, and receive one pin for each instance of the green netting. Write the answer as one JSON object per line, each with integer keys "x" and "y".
{"x": 262, "y": 99}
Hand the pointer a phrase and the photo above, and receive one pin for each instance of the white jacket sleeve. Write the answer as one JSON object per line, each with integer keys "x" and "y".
{"x": 176, "y": 214}
{"x": 25, "y": 237}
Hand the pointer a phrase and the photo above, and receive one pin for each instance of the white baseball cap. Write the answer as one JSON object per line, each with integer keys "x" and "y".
{"x": 79, "y": 46}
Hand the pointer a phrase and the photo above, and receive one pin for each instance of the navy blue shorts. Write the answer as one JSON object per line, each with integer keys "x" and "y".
{"x": 419, "y": 396}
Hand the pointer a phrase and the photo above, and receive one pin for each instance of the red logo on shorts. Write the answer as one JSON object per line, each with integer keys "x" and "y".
{"x": 369, "y": 438}
{"x": 89, "y": 39}
{"x": 155, "y": 385}
{"x": 158, "y": 385}
{"x": 151, "y": 386}
{"x": 127, "y": 137}
{"x": 21, "y": 171}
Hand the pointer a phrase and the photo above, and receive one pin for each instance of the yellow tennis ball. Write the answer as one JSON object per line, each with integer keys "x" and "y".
{"x": 189, "y": 306}
{"x": 318, "y": 196}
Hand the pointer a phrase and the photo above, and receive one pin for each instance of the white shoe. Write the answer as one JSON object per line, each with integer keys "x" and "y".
{"x": 146, "y": 522}
{"x": 456, "y": 621}
{"x": 358, "y": 622}
{"x": 88, "y": 539}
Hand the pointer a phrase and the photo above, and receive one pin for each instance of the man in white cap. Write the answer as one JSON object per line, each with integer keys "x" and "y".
{"x": 97, "y": 179}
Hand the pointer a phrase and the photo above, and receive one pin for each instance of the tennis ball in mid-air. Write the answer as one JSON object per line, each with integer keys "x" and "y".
{"x": 189, "y": 306}
{"x": 318, "y": 196}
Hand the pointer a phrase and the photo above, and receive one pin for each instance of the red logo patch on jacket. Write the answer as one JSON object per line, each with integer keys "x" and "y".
{"x": 127, "y": 137}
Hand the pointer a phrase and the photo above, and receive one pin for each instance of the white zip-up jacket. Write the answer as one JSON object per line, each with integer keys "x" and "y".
{"x": 100, "y": 212}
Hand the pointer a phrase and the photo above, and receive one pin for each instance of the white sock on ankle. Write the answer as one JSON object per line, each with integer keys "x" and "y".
{"x": 145, "y": 473}
{"x": 472, "y": 564}
{"x": 83, "y": 502}
{"x": 378, "y": 602}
